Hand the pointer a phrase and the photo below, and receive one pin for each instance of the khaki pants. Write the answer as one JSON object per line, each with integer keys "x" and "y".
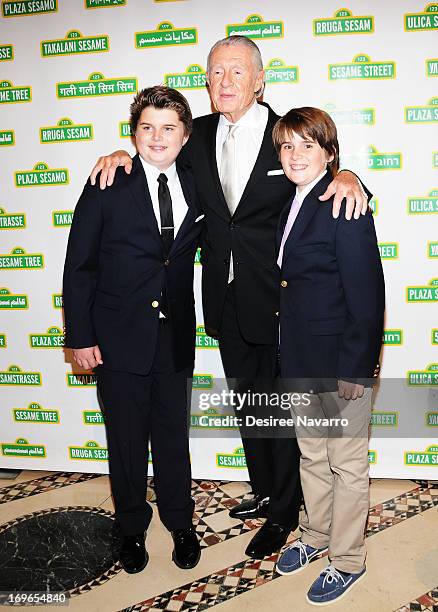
{"x": 334, "y": 477}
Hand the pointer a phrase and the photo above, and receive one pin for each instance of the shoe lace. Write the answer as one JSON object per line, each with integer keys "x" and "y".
{"x": 332, "y": 575}
{"x": 303, "y": 551}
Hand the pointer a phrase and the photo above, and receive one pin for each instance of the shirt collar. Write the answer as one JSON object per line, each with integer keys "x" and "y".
{"x": 251, "y": 118}
{"x": 152, "y": 173}
{"x": 300, "y": 195}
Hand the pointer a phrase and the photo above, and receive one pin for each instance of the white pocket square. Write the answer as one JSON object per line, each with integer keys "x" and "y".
{"x": 275, "y": 172}
{"x": 199, "y": 218}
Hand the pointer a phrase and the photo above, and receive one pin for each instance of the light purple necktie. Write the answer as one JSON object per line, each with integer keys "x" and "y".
{"x": 293, "y": 213}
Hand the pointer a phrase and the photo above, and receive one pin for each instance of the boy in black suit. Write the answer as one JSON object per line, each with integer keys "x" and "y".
{"x": 331, "y": 325}
{"x": 129, "y": 311}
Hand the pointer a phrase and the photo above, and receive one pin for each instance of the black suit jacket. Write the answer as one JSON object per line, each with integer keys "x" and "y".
{"x": 115, "y": 269}
{"x": 332, "y": 307}
{"x": 249, "y": 233}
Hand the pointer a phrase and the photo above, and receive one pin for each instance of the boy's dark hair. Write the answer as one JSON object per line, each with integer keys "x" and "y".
{"x": 160, "y": 96}
{"x": 309, "y": 122}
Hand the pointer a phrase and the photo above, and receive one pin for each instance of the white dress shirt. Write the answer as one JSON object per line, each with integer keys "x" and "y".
{"x": 179, "y": 204}
{"x": 248, "y": 139}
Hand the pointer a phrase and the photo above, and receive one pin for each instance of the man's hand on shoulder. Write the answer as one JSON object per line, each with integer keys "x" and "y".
{"x": 107, "y": 166}
{"x": 346, "y": 185}
{"x": 88, "y": 358}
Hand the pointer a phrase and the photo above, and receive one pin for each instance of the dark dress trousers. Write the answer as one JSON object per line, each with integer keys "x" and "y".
{"x": 115, "y": 272}
{"x": 332, "y": 296}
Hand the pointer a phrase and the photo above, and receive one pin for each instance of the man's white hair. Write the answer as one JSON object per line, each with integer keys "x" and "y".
{"x": 232, "y": 41}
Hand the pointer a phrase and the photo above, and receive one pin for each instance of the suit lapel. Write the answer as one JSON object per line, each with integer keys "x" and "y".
{"x": 308, "y": 209}
{"x": 139, "y": 189}
{"x": 211, "y": 153}
{"x": 189, "y": 193}
{"x": 264, "y": 158}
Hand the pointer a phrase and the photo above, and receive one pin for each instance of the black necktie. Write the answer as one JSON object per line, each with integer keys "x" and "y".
{"x": 167, "y": 231}
{"x": 166, "y": 214}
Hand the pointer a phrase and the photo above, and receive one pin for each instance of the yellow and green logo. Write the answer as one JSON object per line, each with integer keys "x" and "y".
{"x": 423, "y": 293}
{"x": 3, "y": 341}
{"x": 12, "y": 221}
{"x": 374, "y": 205}
{"x": 94, "y": 4}
{"x": 255, "y": 27}
{"x": 193, "y": 78}
{"x": 426, "y": 20}
{"x": 81, "y": 381}
{"x": 432, "y": 250}
{"x": 10, "y": 94}
{"x": 62, "y": 218}
{"x": 6, "y": 53}
{"x": 7, "y": 138}
{"x": 92, "y": 417}
{"x": 11, "y": 301}
{"x": 372, "y": 457}
{"x": 202, "y": 381}
{"x": 431, "y": 419}
{"x": 18, "y": 259}
{"x": 384, "y": 419}
{"x": 211, "y": 419}
{"x": 360, "y": 116}
{"x": 424, "y": 205}
{"x": 236, "y": 460}
{"x": 57, "y": 301}
{"x": 198, "y": 257}
{"x": 388, "y": 250}
{"x": 166, "y": 35}
{"x": 41, "y": 174}
{"x": 427, "y": 457}
{"x": 22, "y": 8}
{"x": 361, "y": 67}
{"x": 35, "y": 413}
{"x": 424, "y": 378}
{"x": 66, "y": 131}
{"x": 22, "y": 448}
{"x": 432, "y": 67}
{"x": 54, "y": 338}
{"x": 422, "y": 114}
{"x": 372, "y": 159}
{"x": 91, "y": 451}
{"x": 74, "y": 43}
{"x": 393, "y": 337}
{"x": 278, "y": 72}
{"x": 434, "y": 336}
{"x": 14, "y": 376}
{"x": 343, "y": 22}
{"x": 125, "y": 129}
{"x": 203, "y": 341}
{"x": 96, "y": 85}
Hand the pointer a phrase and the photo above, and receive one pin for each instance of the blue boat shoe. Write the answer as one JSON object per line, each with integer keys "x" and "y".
{"x": 297, "y": 556}
{"x": 331, "y": 585}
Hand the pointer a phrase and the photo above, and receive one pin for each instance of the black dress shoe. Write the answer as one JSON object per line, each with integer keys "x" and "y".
{"x": 253, "y": 508}
{"x": 133, "y": 554}
{"x": 186, "y": 552}
{"x": 270, "y": 538}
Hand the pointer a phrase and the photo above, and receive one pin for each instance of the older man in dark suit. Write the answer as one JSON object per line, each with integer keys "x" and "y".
{"x": 242, "y": 190}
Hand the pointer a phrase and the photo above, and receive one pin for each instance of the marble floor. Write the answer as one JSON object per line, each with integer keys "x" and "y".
{"x": 56, "y": 532}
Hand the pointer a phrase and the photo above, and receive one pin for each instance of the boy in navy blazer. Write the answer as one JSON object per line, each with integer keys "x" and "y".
{"x": 331, "y": 325}
{"x": 129, "y": 313}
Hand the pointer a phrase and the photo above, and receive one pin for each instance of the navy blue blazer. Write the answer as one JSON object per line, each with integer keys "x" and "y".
{"x": 116, "y": 268}
{"x": 332, "y": 294}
